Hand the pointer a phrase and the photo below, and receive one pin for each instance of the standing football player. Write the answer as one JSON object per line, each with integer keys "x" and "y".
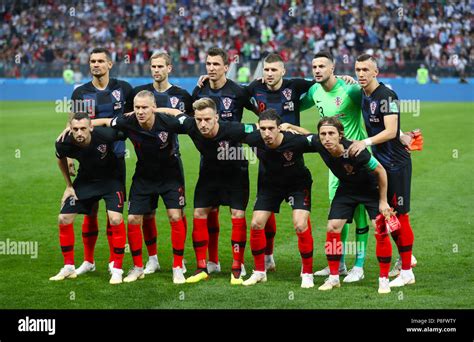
{"x": 380, "y": 108}
{"x": 333, "y": 97}
{"x": 223, "y": 180}
{"x": 167, "y": 96}
{"x": 282, "y": 95}
{"x": 158, "y": 173}
{"x": 103, "y": 97}
{"x": 230, "y": 100}
{"x": 284, "y": 176}
{"x": 96, "y": 179}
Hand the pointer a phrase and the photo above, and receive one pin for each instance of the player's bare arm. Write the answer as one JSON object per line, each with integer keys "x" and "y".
{"x": 287, "y": 127}
{"x": 390, "y": 132}
{"x": 382, "y": 182}
{"x": 62, "y": 164}
{"x": 169, "y": 111}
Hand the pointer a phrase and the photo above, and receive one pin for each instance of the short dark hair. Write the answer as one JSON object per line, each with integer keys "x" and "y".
{"x": 365, "y": 57}
{"x": 325, "y": 54}
{"x": 215, "y": 51}
{"x": 270, "y": 114}
{"x": 80, "y": 116}
{"x": 331, "y": 121}
{"x": 101, "y": 50}
{"x": 272, "y": 58}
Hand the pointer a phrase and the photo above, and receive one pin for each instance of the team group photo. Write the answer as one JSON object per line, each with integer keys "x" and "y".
{"x": 236, "y": 155}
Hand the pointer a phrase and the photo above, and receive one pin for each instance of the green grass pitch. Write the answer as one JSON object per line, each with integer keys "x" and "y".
{"x": 442, "y": 193}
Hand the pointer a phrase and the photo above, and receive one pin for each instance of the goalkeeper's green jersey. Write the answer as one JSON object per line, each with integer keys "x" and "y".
{"x": 343, "y": 100}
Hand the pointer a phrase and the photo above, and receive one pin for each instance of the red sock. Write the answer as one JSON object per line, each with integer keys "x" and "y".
{"x": 238, "y": 240}
{"x": 185, "y": 220}
{"x": 383, "y": 250}
{"x": 213, "y": 229}
{"x": 257, "y": 245}
{"x": 305, "y": 246}
{"x": 200, "y": 241}
{"x": 270, "y": 231}
{"x": 66, "y": 241}
{"x": 135, "y": 242}
{"x": 406, "y": 239}
{"x": 178, "y": 237}
{"x": 150, "y": 234}
{"x": 119, "y": 239}
{"x": 110, "y": 240}
{"x": 90, "y": 232}
{"x": 333, "y": 248}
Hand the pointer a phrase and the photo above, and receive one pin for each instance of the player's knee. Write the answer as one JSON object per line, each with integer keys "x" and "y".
{"x": 200, "y": 213}
{"x": 174, "y": 216}
{"x": 301, "y": 228}
{"x": 115, "y": 219}
{"x": 134, "y": 219}
{"x": 257, "y": 224}
{"x": 237, "y": 214}
{"x": 332, "y": 228}
{"x": 65, "y": 219}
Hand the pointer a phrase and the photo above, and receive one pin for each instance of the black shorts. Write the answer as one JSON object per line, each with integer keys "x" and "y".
{"x": 269, "y": 197}
{"x": 122, "y": 174}
{"x": 144, "y": 195}
{"x": 346, "y": 200}
{"x": 399, "y": 188}
{"x": 91, "y": 192}
{"x": 211, "y": 192}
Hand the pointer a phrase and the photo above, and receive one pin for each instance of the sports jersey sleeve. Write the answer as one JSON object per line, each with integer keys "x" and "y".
{"x": 188, "y": 103}
{"x": 238, "y": 131}
{"x": 253, "y": 138}
{"x": 302, "y": 85}
{"x": 61, "y": 150}
{"x": 194, "y": 95}
{"x": 180, "y": 124}
{"x": 366, "y": 160}
{"x": 247, "y": 100}
{"x": 110, "y": 134}
{"x": 128, "y": 94}
{"x": 307, "y": 101}
{"x": 119, "y": 122}
{"x": 76, "y": 95}
{"x": 389, "y": 104}
{"x": 311, "y": 143}
{"x": 355, "y": 94}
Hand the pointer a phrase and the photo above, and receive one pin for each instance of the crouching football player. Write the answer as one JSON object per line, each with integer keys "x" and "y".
{"x": 283, "y": 176}
{"x": 363, "y": 180}
{"x": 97, "y": 179}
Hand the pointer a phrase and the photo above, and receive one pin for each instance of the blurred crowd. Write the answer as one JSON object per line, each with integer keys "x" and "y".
{"x": 401, "y": 34}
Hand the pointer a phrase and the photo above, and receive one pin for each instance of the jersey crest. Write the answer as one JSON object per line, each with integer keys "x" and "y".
{"x": 227, "y": 102}
{"x": 102, "y": 148}
{"x": 163, "y": 136}
{"x": 338, "y": 101}
{"x": 116, "y": 94}
{"x": 287, "y": 93}
{"x": 174, "y": 101}
{"x": 373, "y": 106}
{"x": 288, "y": 155}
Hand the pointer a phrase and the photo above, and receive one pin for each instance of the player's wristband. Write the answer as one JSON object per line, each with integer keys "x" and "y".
{"x": 368, "y": 142}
